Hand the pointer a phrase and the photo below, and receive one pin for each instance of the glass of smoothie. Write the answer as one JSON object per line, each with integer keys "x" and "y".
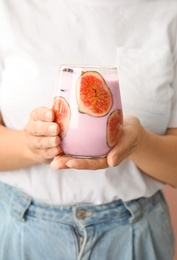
{"x": 88, "y": 110}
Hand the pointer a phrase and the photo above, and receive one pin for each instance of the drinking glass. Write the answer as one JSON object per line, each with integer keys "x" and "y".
{"x": 88, "y": 110}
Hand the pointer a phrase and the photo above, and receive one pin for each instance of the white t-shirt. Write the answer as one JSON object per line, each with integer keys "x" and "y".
{"x": 139, "y": 37}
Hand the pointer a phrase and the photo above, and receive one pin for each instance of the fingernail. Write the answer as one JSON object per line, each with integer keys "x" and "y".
{"x": 48, "y": 116}
{"x": 53, "y": 141}
{"x": 113, "y": 160}
{"x": 52, "y": 129}
{"x": 54, "y": 165}
{"x": 69, "y": 164}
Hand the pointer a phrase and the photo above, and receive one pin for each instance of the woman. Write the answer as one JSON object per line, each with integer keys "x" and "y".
{"x": 57, "y": 207}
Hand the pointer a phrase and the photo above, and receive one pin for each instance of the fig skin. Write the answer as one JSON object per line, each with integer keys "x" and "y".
{"x": 114, "y": 127}
{"x": 62, "y": 113}
{"x": 93, "y": 94}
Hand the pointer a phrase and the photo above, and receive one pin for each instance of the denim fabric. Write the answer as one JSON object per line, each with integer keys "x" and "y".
{"x": 135, "y": 230}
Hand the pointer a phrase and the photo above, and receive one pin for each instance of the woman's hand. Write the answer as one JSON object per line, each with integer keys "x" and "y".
{"x": 154, "y": 154}
{"x": 125, "y": 146}
{"x": 42, "y": 135}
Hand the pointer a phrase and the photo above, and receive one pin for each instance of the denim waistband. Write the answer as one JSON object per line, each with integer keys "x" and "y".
{"x": 22, "y": 205}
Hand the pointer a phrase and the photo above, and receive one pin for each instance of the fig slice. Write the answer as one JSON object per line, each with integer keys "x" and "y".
{"x": 114, "y": 127}
{"x": 62, "y": 112}
{"x": 93, "y": 95}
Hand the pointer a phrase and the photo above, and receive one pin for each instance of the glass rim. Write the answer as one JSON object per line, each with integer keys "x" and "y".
{"x": 79, "y": 67}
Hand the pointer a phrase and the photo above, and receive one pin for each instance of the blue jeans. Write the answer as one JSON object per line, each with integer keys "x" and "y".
{"x": 135, "y": 230}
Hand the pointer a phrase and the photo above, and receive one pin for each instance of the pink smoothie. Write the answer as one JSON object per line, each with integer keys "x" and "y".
{"x": 86, "y": 135}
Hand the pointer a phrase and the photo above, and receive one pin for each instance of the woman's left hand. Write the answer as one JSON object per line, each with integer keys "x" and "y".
{"x": 126, "y": 145}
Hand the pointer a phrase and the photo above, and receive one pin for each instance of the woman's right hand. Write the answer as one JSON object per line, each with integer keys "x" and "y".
{"x": 42, "y": 135}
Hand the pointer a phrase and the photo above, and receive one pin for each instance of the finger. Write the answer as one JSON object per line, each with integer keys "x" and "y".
{"x": 43, "y": 114}
{"x": 121, "y": 150}
{"x": 80, "y": 164}
{"x": 90, "y": 164}
{"x": 45, "y": 142}
{"x": 59, "y": 162}
{"x": 50, "y": 153}
{"x": 40, "y": 128}
{"x": 47, "y": 155}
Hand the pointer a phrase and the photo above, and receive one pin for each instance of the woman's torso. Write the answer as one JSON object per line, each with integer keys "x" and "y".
{"x": 135, "y": 37}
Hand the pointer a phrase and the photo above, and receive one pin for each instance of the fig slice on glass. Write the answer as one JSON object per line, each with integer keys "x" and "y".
{"x": 114, "y": 127}
{"x": 93, "y": 94}
{"x": 62, "y": 112}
